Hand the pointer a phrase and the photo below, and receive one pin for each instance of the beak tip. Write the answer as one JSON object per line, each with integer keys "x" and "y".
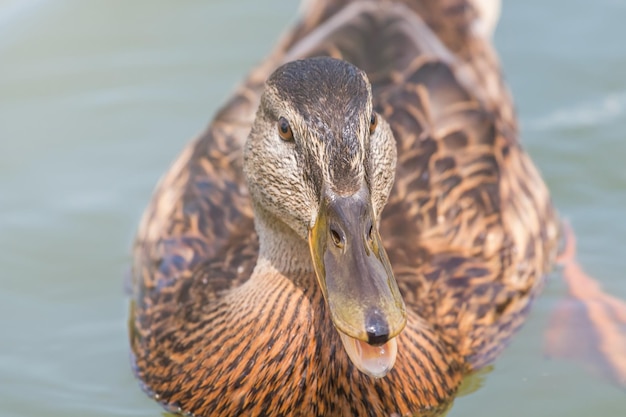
{"x": 375, "y": 361}
{"x": 376, "y": 327}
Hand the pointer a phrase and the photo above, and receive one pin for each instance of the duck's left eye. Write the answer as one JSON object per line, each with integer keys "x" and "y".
{"x": 373, "y": 122}
{"x": 284, "y": 130}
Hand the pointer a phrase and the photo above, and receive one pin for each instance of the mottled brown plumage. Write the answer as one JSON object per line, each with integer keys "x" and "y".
{"x": 468, "y": 227}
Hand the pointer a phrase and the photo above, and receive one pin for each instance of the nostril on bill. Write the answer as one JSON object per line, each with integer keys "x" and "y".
{"x": 376, "y": 327}
{"x": 337, "y": 237}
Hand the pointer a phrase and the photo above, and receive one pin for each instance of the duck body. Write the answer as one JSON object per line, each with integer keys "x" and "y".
{"x": 228, "y": 318}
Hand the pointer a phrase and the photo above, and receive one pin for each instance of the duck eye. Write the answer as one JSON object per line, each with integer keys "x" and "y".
{"x": 373, "y": 122}
{"x": 284, "y": 130}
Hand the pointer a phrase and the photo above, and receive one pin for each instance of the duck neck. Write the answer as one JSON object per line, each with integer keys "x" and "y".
{"x": 280, "y": 247}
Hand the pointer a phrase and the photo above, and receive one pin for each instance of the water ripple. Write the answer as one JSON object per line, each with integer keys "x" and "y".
{"x": 584, "y": 114}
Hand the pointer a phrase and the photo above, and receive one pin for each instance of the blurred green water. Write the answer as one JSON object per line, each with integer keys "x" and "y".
{"x": 96, "y": 99}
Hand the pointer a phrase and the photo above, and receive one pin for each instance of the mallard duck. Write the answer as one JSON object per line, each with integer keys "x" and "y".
{"x": 357, "y": 229}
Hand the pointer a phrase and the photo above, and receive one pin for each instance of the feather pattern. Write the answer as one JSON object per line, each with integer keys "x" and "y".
{"x": 469, "y": 229}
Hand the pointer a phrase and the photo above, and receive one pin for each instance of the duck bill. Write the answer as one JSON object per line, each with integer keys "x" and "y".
{"x": 356, "y": 279}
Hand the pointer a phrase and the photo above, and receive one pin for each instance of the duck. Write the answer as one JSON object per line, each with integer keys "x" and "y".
{"x": 357, "y": 230}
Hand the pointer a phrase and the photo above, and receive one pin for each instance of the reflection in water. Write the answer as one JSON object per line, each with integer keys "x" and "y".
{"x": 591, "y": 325}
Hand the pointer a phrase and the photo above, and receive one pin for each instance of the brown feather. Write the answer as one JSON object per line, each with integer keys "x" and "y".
{"x": 469, "y": 229}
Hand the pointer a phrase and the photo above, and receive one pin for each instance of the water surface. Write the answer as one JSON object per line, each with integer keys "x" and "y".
{"x": 96, "y": 99}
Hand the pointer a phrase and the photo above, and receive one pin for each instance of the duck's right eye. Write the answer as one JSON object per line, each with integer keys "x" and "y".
{"x": 373, "y": 122}
{"x": 284, "y": 130}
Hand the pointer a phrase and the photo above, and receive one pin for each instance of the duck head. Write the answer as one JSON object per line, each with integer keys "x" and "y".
{"x": 320, "y": 160}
